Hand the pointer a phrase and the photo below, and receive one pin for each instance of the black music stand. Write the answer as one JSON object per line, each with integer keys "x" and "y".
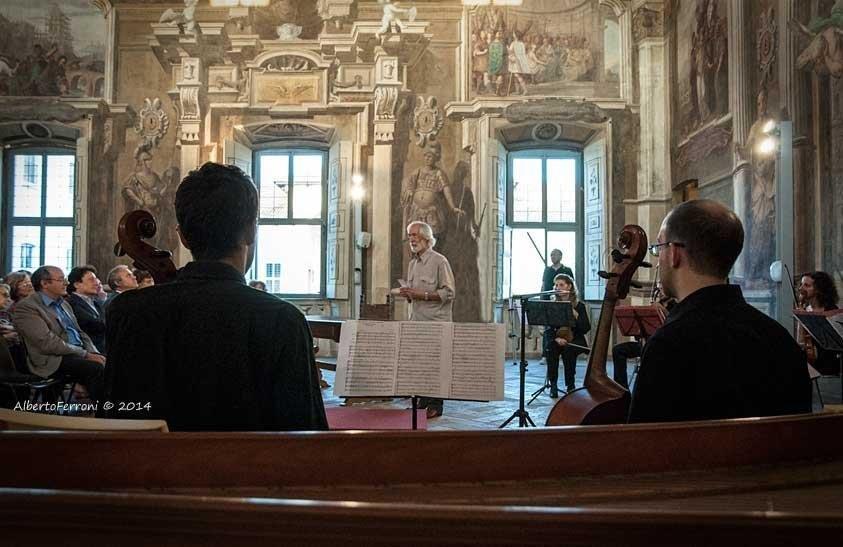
{"x": 524, "y": 419}
{"x": 550, "y": 313}
{"x": 820, "y": 327}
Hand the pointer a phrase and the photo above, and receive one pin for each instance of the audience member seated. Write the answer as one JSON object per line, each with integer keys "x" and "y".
{"x": 9, "y": 332}
{"x": 259, "y": 285}
{"x": 84, "y": 288}
{"x": 620, "y": 354}
{"x": 20, "y": 286}
{"x": 206, "y": 352}
{"x": 120, "y": 279}
{"x": 144, "y": 279}
{"x": 54, "y": 341}
{"x": 716, "y": 356}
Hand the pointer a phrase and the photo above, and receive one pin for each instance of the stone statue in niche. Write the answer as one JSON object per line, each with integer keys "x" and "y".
{"x": 288, "y": 31}
{"x": 184, "y": 19}
{"x": 824, "y": 54}
{"x": 426, "y": 193}
{"x": 762, "y": 196}
{"x": 390, "y": 22}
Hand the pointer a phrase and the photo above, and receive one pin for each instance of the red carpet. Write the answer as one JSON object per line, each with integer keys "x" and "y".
{"x": 346, "y": 417}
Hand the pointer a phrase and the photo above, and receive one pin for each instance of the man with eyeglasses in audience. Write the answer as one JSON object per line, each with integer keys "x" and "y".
{"x": 716, "y": 356}
{"x": 54, "y": 341}
{"x": 84, "y": 287}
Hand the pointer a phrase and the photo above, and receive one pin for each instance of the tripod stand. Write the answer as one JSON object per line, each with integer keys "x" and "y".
{"x": 524, "y": 419}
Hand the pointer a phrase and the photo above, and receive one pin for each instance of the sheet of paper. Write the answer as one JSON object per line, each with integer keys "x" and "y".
{"x": 422, "y": 357}
{"x": 477, "y": 362}
{"x": 366, "y": 360}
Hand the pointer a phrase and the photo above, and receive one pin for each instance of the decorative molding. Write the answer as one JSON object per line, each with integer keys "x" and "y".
{"x": 427, "y": 120}
{"x": 647, "y": 23}
{"x": 546, "y": 132}
{"x": 152, "y": 122}
{"x": 279, "y": 131}
{"x": 386, "y": 100}
{"x": 766, "y": 46}
{"x": 557, "y": 110}
{"x": 34, "y": 108}
{"x": 288, "y": 63}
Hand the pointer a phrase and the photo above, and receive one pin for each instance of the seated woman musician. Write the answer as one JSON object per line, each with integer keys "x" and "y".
{"x": 817, "y": 293}
{"x": 564, "y": 341}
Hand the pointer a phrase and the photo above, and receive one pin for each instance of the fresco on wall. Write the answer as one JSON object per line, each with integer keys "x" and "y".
{"x": 701, "y": 51}
{"x": 281, "y": 19}
{"x": 52, "y": 48}
{"x": 545, "y": 47}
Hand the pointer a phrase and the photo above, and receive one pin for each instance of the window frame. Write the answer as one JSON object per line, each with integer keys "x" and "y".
{"x": 42, "y": 222}
{"x": 290, "y": 220}
{"x": 577, "y": 226}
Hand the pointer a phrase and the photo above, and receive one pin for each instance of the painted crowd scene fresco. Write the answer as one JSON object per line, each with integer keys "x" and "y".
{"x": 51, "y": 49}
{"x": 544, "y": 47}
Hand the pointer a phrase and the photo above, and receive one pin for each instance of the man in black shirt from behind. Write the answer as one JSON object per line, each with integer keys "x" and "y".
{"x": 715, "y": 356}
{"x": 206, "y": 351}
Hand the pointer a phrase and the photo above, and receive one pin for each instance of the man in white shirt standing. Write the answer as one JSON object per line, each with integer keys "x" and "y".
{"x": 430, "y": 289}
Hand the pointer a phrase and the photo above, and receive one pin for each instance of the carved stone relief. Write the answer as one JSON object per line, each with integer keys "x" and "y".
{"x": 288, "y": 63}
{"x": 427, "y": 120}
{"x": 152, "y": 122}
{"x": 386, "y": 99}
{"x": 766, "y": 38}
{"x": 647, "y": 23}
{"x": 558, "y": 110}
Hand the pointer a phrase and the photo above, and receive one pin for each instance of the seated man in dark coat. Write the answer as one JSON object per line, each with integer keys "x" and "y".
{"x": 206, "y": 352}
{"x": 83, "y": 287}
{"x": 715, "y": 356}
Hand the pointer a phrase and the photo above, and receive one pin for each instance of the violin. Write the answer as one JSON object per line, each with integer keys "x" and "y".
{"x": 134, "y": 227}
{"x": 601, "y": 400}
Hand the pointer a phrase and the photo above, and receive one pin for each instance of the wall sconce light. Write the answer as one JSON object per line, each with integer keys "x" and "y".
{"x": 768, "y": 144}
{"x": 357, "y": 191}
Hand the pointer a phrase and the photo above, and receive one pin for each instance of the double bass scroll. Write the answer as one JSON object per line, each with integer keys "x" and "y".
{"x": 134, "y": 227}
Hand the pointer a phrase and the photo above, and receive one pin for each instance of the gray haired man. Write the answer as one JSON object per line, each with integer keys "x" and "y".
{"x": 430, "y": 288}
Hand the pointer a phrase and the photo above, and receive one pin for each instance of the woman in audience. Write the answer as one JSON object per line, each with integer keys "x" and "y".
{"x": 20, "y": 286}
{"x": 8, "y": 331}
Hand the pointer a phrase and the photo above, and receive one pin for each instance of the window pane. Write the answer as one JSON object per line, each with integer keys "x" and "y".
{"x": 60, "y": 177}
{"x": 274, "y": 188}
{"x": 293, "y": 255}
{"x": 27, "y": 188}
{"x": 527, "y": 190}
{"x": 561, "y": 190}
{"x": 527, "y": 265}
{"x": 307, "y": 192}
{"x": 58, "y": 247}
{"x": 26, "y": 247}
{"x": 567, "y": 243}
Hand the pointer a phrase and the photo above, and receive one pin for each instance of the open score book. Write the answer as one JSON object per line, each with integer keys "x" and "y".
{"x": 427, "y": 358}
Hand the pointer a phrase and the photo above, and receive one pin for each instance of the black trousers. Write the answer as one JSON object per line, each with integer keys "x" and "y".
{"x": 620, "y": 353}
{"x": 87, "y": 373}
{"x": 569, "y": 361}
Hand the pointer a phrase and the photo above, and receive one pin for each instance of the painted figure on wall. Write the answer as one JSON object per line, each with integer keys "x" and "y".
{"x": 391, "y": 21}
{"x": 708, "y": 56}
{"x": 824, "y": 53}
{"x": 461, "y": 246}
{"x": 762, "y": 196}
{"x": 426, "y": 193}
{"x": 545, "y": 47}
{"x": 143, "y": 189}
{"x": 41, "y": 53}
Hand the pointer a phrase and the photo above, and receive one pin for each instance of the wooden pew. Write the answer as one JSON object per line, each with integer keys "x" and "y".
{"x": 771, "y": 481}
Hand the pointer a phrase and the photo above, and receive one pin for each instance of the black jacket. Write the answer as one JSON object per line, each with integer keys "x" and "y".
{"x": 209, "y": 353}
{"x": 718, "y": 357}
{"x": 93, "y": 323}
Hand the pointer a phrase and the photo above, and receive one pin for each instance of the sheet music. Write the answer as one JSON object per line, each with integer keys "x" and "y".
{"x": 427, "y": 358}
{"x": 422, "y": 357}
{"x": 477, "y": 361}
{"x": 368, "y": 353}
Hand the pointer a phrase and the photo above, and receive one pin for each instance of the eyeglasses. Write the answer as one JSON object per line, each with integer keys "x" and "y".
{"x": 655, "y": 247}
{"x": 59, "y": 280}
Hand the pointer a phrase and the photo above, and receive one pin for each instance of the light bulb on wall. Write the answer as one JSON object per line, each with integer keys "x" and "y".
{"x": 356, "y": 179}
{"x": 767, "y": 146}
{"x": 769, "y": 126}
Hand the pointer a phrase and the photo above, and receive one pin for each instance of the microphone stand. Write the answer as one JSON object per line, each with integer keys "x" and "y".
{"x": 521, "y": 413}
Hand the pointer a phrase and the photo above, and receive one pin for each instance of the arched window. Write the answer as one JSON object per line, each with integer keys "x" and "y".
{"x": 291, "y": 227}
{"x": 39, "y": 211}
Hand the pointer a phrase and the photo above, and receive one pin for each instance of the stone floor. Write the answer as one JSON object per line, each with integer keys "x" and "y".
{"x": 461, "y": 415}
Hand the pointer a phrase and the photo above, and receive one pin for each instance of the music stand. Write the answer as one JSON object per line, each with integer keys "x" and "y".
{"x": 524, "y": 419}
{"x": 639, "y": 321}
{"x": 826, "y": 328}
{"x": 550, "y": 313}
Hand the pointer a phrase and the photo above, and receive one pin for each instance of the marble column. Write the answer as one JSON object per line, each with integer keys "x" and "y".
{"x": 189, "y": 87}
{"x": 794, "y": 99}
{"x": 742, "y": 106}
{"x": 654, "y": 186}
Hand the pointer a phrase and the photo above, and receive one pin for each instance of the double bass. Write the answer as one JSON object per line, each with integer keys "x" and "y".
{"x": 601, "y": 400}
{"x": 134, "y": 227}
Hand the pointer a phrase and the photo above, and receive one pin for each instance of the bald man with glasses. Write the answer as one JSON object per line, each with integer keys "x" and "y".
{"x": 55, "y": 343}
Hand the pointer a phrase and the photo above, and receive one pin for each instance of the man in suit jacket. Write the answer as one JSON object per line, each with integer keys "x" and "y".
{"x": 120, "y": 279}
{"x": 54, "y": 341}
{"x": 83, "y": 288}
